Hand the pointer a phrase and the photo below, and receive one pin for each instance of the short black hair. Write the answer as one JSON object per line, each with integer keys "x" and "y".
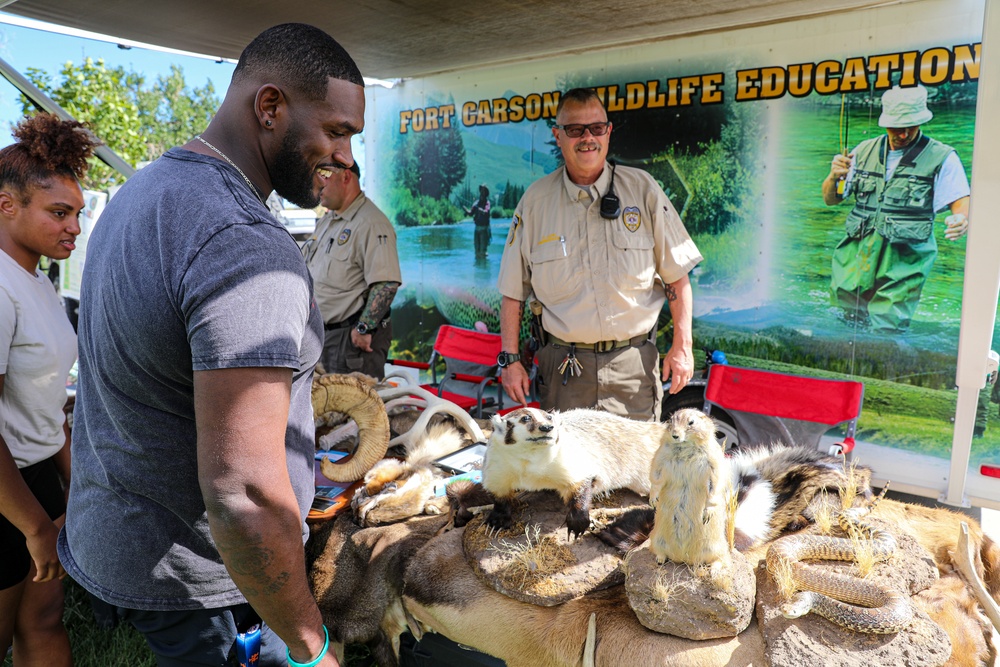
{"x": 579, "y": 96}
{"x": 300, "y": 56}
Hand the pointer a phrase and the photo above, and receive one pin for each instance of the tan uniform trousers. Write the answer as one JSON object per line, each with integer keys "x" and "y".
{"x": 624, "y": 382}
{"x": 340, "y": 355}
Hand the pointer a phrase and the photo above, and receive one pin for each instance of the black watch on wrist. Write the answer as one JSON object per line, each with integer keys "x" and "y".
{"x": 362, "y": 328}
{"x": 505, "y": 359}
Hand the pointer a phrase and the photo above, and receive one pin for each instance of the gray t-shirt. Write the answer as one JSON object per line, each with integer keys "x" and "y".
{"x": 186, "y": 270}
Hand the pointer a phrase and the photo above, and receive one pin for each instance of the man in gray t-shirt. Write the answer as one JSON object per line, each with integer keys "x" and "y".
{"x": 193, "y": 440}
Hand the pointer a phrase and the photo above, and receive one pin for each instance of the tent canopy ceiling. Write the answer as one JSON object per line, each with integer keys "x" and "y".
{"x": 394, "y": 39}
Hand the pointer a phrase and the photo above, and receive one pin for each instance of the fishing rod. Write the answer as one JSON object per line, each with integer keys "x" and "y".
{"x": 842, "y": 137}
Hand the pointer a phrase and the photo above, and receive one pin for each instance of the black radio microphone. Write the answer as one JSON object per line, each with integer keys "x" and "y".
{"x": 611, "y": 206}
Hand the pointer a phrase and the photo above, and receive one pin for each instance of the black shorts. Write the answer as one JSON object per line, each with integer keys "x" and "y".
{"x": 43, "y": 481}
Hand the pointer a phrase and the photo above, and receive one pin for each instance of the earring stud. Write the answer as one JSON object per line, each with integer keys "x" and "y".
{"x": 268, "y": 123}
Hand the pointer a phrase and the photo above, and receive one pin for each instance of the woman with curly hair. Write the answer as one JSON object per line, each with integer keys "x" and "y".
{"x": 40, "y": 204}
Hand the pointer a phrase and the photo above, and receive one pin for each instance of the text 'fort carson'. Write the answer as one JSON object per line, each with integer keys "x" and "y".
{"x": 930, "y": 67}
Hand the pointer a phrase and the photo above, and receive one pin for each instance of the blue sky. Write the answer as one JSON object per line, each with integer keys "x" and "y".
{"x": 24, "y": 47}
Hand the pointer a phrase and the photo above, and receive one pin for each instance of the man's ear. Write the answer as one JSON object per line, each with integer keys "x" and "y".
{"x": 269, "y": 105}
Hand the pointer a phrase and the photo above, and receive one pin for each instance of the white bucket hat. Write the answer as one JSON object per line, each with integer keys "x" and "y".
{"x": 904, "y": 107}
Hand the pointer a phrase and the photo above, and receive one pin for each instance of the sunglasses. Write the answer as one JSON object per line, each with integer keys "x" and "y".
{"x": 575, "y": 131}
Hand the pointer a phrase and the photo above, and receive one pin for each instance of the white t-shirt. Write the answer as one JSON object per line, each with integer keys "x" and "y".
{"x": 37, "y": 351}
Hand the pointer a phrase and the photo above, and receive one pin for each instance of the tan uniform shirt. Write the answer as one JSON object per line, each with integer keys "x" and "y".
{"x": 597, "y": 279}
{"x": 351, "y": 251}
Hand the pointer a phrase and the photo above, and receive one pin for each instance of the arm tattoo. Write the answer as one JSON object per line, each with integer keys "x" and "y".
{"x": 380, "y": 297}
{"x": 670, "y": 292}
{"x": 253, "y": 561}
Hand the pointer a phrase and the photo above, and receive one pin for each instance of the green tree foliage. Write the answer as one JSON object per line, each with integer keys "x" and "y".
{"x": 464, "y": 196}
{"x": 722, "y": 175}
{"x": 428, "y": 167}
{"x": 414, "y": 210}
{"x": 868, "y": 357}
{"x": 100, "y": 96}
{"x": 512, "y": 194}
{"x": 136, "y": 122}
{"x": 170, "y": 113}
{"x": 431, "y": 163}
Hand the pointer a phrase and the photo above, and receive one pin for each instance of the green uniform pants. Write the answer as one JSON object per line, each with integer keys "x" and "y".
{"x": 880, "y": 282}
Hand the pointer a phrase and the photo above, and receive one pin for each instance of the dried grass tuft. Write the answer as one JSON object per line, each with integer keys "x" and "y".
{"x": 823, "y": 513}
{"x": 731, "y": 505}
{"x": 782, "y": 573}
{"x": 531, "y": 559}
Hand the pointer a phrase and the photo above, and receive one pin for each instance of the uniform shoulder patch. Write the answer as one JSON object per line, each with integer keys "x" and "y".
{"x": 344, "y": 236}
{"x": 631, "y": 218}
{"x": 512, "y": 234}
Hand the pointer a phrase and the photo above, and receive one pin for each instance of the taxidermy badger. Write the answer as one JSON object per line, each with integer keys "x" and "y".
{"x": 576, "y": 453}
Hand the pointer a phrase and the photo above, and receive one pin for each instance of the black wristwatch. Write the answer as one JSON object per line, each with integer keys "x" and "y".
{"x": 505, "y": 359}
{"x": 362, "y": 328}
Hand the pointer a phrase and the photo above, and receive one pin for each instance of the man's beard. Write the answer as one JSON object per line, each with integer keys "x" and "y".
{"x": 291, "y": 176}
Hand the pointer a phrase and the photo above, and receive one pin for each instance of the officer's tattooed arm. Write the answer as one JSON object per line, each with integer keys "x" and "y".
{"x": 379, "y": 299}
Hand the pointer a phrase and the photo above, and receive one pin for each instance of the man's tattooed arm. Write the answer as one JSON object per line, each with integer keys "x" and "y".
{"x": 379, "y": 299}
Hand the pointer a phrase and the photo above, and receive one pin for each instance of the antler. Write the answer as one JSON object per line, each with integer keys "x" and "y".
{"x": 964, "y": 563}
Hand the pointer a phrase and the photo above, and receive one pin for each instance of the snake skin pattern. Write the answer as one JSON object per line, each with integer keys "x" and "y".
{"x": 846, "y": 600}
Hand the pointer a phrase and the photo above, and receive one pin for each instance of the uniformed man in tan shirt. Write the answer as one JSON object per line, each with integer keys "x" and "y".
{"x": 601, "y": 279}
{"x": 355, "y": 268}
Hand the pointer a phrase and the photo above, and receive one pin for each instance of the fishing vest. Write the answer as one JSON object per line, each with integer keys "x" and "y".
{"x": 902, "y": 208}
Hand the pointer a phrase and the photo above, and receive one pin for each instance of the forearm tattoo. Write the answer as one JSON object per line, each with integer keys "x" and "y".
{"x": 379, "y": 299}
{"x": 670, "y": 292}
{"x": 253, "y": 562}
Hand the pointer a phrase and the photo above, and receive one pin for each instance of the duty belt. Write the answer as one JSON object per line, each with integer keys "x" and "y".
{"x": 601, "y": 346}
{"x": 353, "y": 320}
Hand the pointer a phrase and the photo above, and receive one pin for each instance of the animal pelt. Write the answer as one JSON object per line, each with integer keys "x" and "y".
{"x": 937, "y": 530}
{"x": 465, "y": 499}
{"x": 796, "y": 478}
{"x": 577, "y": 453}
{"x": 690, "y": 487}
{"x": 949, "y": 603}
{"x": 356, "y": 575}
{"x": 776, "y": 488}
{"x": 444, "y": 594}
{"x": 394, "y": 490}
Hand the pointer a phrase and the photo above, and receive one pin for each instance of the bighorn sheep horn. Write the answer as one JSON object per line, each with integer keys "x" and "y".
{"x": 347, "y": 394}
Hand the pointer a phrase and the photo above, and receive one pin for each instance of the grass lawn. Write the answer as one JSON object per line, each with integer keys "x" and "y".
{"x": 94, "y": 646}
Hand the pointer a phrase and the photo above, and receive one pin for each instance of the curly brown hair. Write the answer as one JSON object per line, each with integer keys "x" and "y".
{"x": 46, "y": 146}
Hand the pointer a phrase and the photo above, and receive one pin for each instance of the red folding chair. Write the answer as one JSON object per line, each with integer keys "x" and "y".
{"x": 796, "y": 403}
{"x": 470, "y": 367}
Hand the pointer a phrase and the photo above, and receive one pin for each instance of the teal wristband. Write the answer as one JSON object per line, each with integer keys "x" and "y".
{"x": 315, "y": 661}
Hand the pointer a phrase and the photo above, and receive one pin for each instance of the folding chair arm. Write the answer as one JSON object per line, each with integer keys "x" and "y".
{"x": 479, "y": 380}
{"x": 406, "y": 363}
{"x": 422, "y": 365}
{"x": 474, "y": 379}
